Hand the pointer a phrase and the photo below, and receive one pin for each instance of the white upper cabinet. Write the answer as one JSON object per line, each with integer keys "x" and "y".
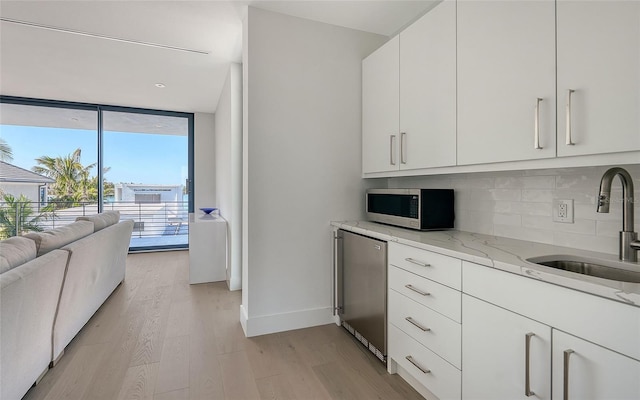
{"x": 506, "y": 81}
{"x": 428, "y": 90}
{"x": 380, "y": 113}
{"x": 409, "y": 97}
{"x": 599, "y": 60}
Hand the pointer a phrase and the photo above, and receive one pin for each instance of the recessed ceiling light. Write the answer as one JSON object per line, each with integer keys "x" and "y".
{"x": 160, "y": 85}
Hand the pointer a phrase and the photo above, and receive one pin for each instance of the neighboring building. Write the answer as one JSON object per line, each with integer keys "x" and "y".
{"x": 16, "y": 181}
{"x": 158, "y": 210}
{"x": 142, "y": 193}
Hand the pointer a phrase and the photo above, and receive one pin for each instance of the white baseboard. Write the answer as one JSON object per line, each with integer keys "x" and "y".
{"x": 265, "y": 324}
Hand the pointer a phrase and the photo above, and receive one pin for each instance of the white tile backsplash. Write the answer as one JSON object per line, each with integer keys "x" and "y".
{"x": 518, "y": 204}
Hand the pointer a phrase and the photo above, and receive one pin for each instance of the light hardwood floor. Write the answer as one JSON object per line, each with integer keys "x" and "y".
{"x": 157, "y": 337}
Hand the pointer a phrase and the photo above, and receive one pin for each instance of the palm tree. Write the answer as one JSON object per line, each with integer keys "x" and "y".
{"x": 71, "y": 177}
{"x": 73, "y": 181}
{"x": 6, "y": 154}
{"x": 108, "y": 187}
{"x": 15, "y": 216}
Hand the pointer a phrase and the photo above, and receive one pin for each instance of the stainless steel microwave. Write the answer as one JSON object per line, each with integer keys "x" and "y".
{"x": 421, "y": 209}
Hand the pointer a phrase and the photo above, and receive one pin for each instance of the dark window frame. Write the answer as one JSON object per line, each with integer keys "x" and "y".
{"x": 99, "y": 108}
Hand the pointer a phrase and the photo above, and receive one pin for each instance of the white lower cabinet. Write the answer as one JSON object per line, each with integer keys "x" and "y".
{"x": 499, "y": 309}
{"x": 423, "y": 314}
{"x": 432, "y": 329}
{"x": 431, "y": 294}
{"x": 505, "y": 336}
{"x": 585, "y": 371}
{"x": 495, "y": 345}
{"x": 430, "y": 370}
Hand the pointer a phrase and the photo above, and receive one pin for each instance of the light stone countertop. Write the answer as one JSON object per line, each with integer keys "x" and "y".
{"x": 505, "y": 254}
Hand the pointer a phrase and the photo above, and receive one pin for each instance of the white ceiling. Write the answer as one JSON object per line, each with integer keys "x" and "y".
{"x": 51, "y": 64}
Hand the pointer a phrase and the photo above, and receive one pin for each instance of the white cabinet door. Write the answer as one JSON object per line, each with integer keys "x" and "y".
{"x": 506, "y": 62}
{"x": 380, "y": 109}
{"x": 428, "y": 90}
{"x": 599, "y": 59}
{"x": 589, "y": 371}
{"x": 494, "y": 348}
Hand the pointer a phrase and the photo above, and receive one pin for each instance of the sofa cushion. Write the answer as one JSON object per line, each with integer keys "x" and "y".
{"x": 58, "y": 237}
{"x": 16, "y": 251}
{"x": 102, "y": 220}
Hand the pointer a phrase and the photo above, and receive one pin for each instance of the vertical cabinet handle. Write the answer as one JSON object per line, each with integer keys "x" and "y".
{"x": 527, "y": 364}
{"x": 565, "y": 393}
{"x": 568, "y": 141}
{"x": 392, "y": 139}
{"x": 415, "y": 364}
{"x": 536, "y": 125}
{"x": 403, "y": 159}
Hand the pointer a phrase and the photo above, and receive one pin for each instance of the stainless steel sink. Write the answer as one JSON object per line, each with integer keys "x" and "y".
{"x": 612, "y": 270}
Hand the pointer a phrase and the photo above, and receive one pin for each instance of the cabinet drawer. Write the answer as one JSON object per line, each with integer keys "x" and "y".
{"x": 438, "y": 297}
{"x": 443, "y": 336}
{"x": 443, "y": 379}
{"x": 442, "y": 269}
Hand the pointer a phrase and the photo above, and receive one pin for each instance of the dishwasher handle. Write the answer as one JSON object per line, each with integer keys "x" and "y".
{"x": 337, "y": 295}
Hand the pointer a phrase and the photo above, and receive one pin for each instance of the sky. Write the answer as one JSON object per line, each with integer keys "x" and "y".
{"x": 132, "y": 157}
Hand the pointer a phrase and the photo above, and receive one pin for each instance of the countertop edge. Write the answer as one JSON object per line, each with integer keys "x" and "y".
{"x": 504, "y": 254}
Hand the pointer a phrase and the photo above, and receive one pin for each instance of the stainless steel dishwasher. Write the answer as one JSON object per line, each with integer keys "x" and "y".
{"x": 362, "y": 289}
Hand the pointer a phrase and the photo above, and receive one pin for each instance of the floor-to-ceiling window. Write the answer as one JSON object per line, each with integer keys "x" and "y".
{"x": 61, "y": 160}
{"x": 146, "y": 160}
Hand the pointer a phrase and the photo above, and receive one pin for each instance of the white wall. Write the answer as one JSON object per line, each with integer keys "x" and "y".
{"x": 30, "y": 190}
{"x": 204, "y": 161}
{"x": 228, "y": 157}
{"x": 127, "y": 192}
{"x": 302, "y": 154}
{"x": 518, "y": 204}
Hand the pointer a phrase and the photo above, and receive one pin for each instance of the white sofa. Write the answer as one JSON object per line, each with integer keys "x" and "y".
{"x": 52, "y": 282}
{"x": 29, "y": 293}
{"x": 96, "y": 267}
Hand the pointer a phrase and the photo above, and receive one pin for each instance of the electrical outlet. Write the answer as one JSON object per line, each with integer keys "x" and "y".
{"x": 563, "y": 211}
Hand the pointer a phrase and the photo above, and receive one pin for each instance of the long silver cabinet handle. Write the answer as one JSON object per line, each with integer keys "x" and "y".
{"x": 403, "y": 159}
{"x": 415, "y": 364}
{"x": 392, "y": 138}
{"x": 417, "y": 262}
{"x": 565, "y": 393}
{"x": 536, "y": 125}
{"x": 417, "y": 325}
{"x": 410, "y": 287}
{"x": 568, "y": 140}
{"x": 527, "y": 364}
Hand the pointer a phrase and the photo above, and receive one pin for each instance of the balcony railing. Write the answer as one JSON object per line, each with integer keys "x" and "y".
{"x": 155, "y": 224}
